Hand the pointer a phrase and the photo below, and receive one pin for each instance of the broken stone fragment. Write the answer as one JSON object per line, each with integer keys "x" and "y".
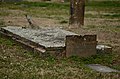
{"x": 103, "y": 49}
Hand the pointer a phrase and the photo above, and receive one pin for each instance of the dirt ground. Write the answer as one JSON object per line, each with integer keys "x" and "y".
{"x": 17, "y": 63}
{"x": 105, "y": 36}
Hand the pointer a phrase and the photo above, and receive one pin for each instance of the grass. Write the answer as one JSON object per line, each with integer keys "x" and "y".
{"x": 18, "y": 63}
{"x": 66, "y": 5}
{"x": 39, "y": 4}
{"x": 4, "y": 13}
{"x": 43, "y": 4}
{"x": 2, "y": 23}
{"x": 101, "y": 15}
{"x": 103, "y": 4}
{"x": 113, "y": 15}
{"x": 64, "y": 22}
{"x": 49, "y": 10}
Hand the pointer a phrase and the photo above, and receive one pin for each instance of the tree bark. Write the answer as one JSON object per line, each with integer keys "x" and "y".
{"x": 77, "y": 9}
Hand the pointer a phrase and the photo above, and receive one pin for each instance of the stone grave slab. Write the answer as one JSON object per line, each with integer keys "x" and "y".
{"x": 101, "y": 68}
{"x": 43, "y": 40}
{"x": 47, "y": 37}
{"x": 55, "y": 40}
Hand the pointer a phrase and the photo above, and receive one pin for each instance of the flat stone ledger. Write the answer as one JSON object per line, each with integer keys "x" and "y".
{"x": 44, "y": 40}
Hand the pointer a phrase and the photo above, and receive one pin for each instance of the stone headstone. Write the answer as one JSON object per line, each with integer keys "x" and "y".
{"x": 82, "y": 46}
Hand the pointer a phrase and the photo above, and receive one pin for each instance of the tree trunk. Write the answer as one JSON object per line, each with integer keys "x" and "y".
{"x": 77, "y": 9}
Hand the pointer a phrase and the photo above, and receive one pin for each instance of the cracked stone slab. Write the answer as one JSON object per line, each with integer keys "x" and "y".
{"x": 47, "y": 37}
{"x": 101, "y": 68}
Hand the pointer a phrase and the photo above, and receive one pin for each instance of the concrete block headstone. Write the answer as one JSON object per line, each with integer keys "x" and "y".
{"x": 82, "y": 46}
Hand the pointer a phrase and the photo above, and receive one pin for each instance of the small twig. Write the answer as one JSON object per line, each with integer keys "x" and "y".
{"x": 30, "y": 22}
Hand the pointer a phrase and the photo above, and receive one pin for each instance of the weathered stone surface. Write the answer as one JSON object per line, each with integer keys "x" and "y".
{"x": 46, "y": 41}
{"x": 101, "y": 68}
{"x": 82, "y": 46}
{"x": 47, "y": 37}
{"x": 53, "y": 41}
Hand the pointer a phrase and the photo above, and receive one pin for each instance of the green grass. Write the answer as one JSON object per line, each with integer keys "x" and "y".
{"x": 103, "y": 4}
{"x": 112, "y": 16}
{"x": 2, "y": 23}
{"x": 100, "y": 15}
{"x": 4, "y": 13}
{"x": 18, "y": 63}
{"x": 40, "y": 4}
{"x": 66, "y": 5}
{"x": 61, "y": 10}
{"x": 104, "y": 59}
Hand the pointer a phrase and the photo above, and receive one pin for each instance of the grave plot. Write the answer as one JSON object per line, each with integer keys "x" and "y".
{"x": 41, "y": 40}
{"x": 54, "y": 41}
